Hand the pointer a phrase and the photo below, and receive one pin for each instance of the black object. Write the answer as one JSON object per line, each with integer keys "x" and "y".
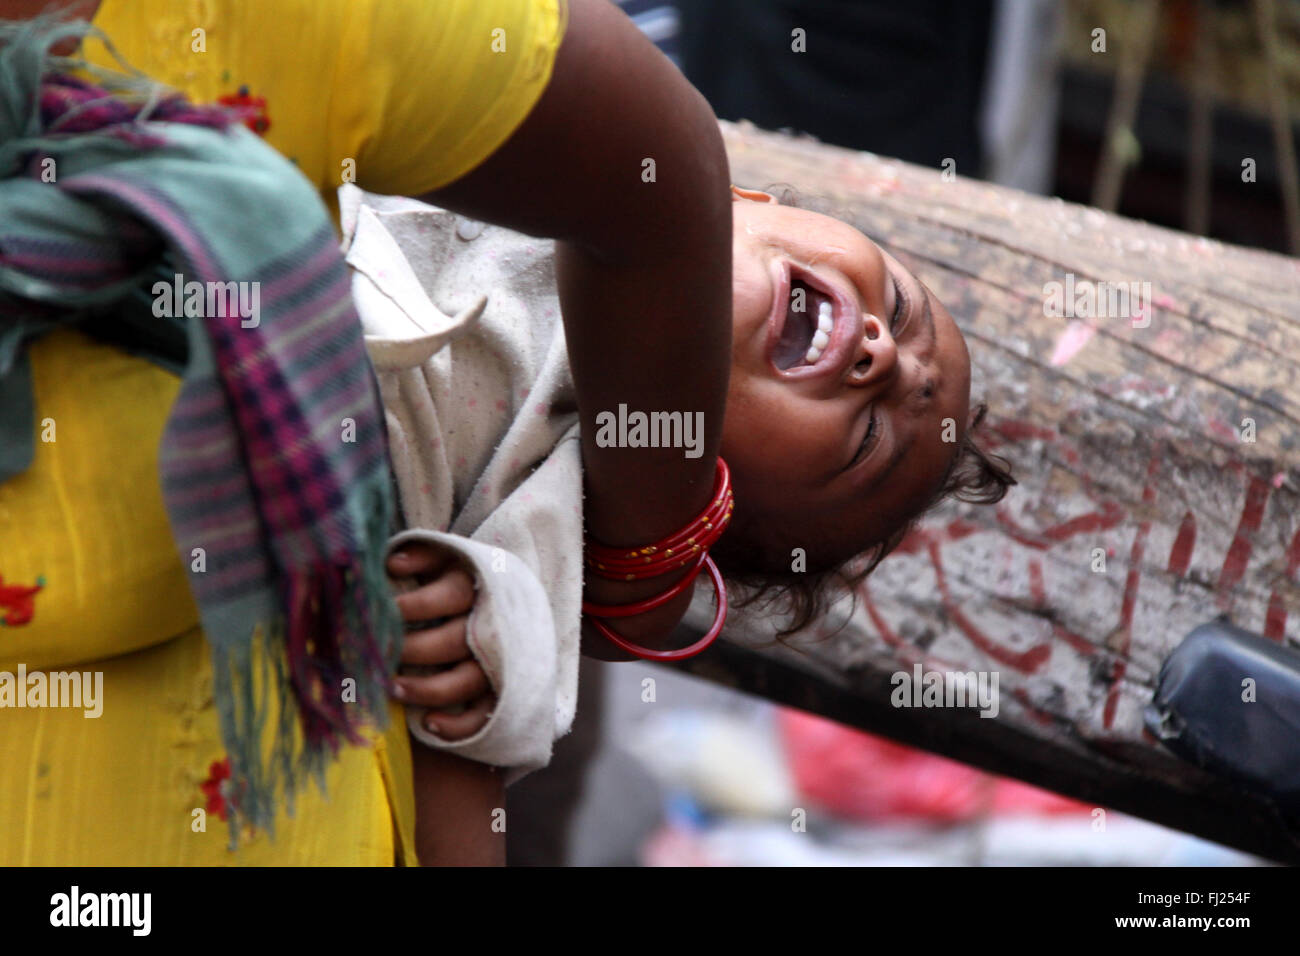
{"x": 902, "y": 79}
{"x": 1206, "y": 711}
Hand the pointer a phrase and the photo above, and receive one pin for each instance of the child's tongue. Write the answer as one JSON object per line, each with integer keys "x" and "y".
{"x": 797, "y": 334}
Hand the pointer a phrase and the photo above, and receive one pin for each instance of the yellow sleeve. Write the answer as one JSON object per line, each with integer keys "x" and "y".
{"x": 428, "y": 91}
{"x": 400, "y": 96}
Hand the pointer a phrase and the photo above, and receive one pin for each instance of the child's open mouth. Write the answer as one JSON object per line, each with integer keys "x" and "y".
{"x": 809, "y": 321}
{"x": 814, "y": 323}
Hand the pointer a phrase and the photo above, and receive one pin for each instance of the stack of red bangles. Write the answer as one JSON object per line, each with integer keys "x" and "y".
{"x": 688, "y": 547}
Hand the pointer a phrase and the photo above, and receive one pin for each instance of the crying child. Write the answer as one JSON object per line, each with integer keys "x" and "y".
{"x": 848, "y": 415}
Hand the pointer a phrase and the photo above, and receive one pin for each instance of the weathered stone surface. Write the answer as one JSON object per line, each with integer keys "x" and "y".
{"x": 1127, "y": 436}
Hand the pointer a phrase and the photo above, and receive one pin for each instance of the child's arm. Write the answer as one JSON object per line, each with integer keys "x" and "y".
{"x": 644, "y": 269}
{"x": 455, "y": 802}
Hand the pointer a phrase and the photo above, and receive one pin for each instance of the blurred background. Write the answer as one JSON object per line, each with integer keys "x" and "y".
{"x": 1178, "y": 112}
{"x": 1153, "y": 118}
{"x": 683, "y": 772}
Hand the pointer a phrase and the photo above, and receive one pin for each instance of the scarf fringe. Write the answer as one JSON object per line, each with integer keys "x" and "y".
{"x": 294, "y": 670}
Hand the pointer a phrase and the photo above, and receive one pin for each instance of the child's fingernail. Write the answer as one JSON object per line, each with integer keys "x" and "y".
{"x": 432, "y": 727}
{"x": 399, "y": 691}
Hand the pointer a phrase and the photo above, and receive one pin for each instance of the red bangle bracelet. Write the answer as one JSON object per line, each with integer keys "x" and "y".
{"x": 649, "y": 604}
{"x": 668, "y": 657}
{"x": 663, "y": 557}
{"x": 674, "y": 551}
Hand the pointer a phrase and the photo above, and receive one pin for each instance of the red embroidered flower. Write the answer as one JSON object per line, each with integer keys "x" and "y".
{"x": 18, "y": 600}
{"x": 252, "y": 109}
{"x": 218, "y": 773}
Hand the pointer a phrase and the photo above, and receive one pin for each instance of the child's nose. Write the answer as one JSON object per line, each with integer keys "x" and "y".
{"x": 877, "y": 354}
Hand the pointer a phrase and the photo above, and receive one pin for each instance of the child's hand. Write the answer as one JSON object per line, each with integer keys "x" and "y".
{"x": 438, "y": 671}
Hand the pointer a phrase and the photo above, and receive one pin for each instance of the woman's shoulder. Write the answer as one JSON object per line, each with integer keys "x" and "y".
{"x": 403, "y": 96}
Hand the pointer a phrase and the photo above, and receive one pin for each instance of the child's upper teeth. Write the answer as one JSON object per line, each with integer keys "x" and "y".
{"x": 822, "y": 337}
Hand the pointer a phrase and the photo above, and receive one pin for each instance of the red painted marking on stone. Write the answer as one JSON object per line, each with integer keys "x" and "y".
{"x": 1108, "y": 516}
{"x": 1014, "y": 430}
{"x": 1112, "y": 695}
{"x": 1243, "y": 543}
{"x": 1275, "y": 619}
{"x": 1222, "y": 430}
{"x": 1133, "y": 576}
{"x": 1011, "y": 431}
{"x": 909, "y": 654}
{"x": 913, "y": 542}
{"x": 1129, "y": 602}
{"x": 1293, "y": 556}
{"x": 1036, "y": 589}
{"x": 1013, "y": 531}
{"x": 1059, "y": 631}
{"x": 1180, "y": 555}
{"x": 1062, "y": 633}
{"x": 1034, "y": 712}
{"x": 882, "y": 626}
{"x": 1027, "y": 662}
{"x": 1038, "y": 593}
{"x": 960, "y": 528}
{"x": 918, "y": 539}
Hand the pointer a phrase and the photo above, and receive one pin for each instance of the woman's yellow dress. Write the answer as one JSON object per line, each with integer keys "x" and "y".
{"x": 400, "y": 96}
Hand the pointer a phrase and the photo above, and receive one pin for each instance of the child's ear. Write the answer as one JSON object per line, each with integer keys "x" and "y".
{"x": 754, "y": 195}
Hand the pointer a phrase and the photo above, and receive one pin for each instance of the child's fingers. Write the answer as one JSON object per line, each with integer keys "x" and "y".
{"x": 446, "y": 596}
{"x": 456, "y": 685}
{"x": 465, "y": 724}
{"x": 418, "y": 559}
{"x": 445, "y": 644}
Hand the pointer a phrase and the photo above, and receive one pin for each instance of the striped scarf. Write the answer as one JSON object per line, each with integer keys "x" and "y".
{"x": 113, "y": 199}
